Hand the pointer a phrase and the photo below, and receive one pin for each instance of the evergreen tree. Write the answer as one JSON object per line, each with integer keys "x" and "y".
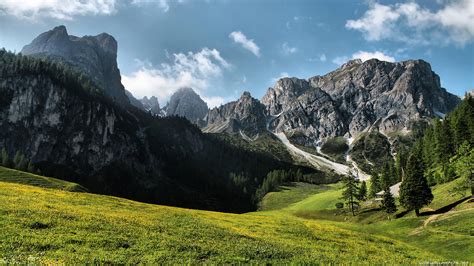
{"x": 400, "y": 162}
{"x": 388, "y": 202}
{"x": 464, "y": 166}
{"x": 350, "y": 192}
{"x": 362, "y": 195}
{"x": 23, "y": 164}
{"x": 30, "y": 168}
{"x": 5, "y": 158}
{"x": 414, "y": 190}
{"x": 17, "y": 160}
{"x": 375, "y": 187}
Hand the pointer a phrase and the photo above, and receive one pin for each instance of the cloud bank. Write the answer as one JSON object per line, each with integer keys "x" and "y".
{"x": 58, "y": 9}
{"x": 414, "y": 24}
{"x": 195, "y": 70}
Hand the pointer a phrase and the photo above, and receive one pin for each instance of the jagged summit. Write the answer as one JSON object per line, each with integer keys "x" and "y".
{"x": 245, "y": 116}
{"x": 356, "y": 97}
{"x": 96, "y": 56}
{"x": 187, "y": 103}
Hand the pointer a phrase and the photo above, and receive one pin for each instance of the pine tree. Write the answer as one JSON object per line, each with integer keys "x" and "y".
{"x": 414, "y": 190}
{"x": 350, "y": 193}
{"x": 5, "y": 158}
{"x": 464, "y": 166}
{"x": 362, "y": 195}
{"x": 17, "y": 160}
{"x": 400, "y": 163}
{"x": 375, "y": 187}
{"x": 388, "y": 202}
{"x": 30, "y": 168}
{"x": 23, "y": 164}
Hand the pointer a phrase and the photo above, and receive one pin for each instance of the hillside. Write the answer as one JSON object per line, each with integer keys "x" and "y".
{"x": 46, "y": 225}
{"x": 447, "y": 233}
{"x": 19, "y": 177}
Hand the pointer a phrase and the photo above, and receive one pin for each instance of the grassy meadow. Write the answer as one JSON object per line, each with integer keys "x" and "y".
{"x": 41, "y": 224}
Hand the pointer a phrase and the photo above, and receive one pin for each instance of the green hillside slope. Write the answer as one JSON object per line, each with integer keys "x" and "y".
{"x": 20, "y": 177}
{"x": 47, "y": 225}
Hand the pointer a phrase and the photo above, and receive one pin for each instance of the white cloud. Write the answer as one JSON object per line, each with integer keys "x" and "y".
{"x": 163, "y": 4}
{"x": 364, "y": 56}
{"x": 214, "y": 101}
{"x": 58, "y": 9}
{"x": 282, "y": 75}
{"x": 249, "y": 44}
{"x": 340, "y": 60}
{"x": 195, "y": 70}
{"x": 411, "y": 23}
{"x": 287, "y": 49}
{"x": 322, "y": 58}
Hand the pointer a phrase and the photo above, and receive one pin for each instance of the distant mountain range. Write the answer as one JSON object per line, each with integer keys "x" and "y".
{"x": 121, "y": 145}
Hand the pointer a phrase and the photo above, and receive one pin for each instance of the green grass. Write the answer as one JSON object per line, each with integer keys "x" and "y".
{"x": 288, "y": 195}
{"x": 450, "y": 234}
{"x": 51, "y": 226}
{"x": 15, "y": 176}
{"x": 299, "y": 224}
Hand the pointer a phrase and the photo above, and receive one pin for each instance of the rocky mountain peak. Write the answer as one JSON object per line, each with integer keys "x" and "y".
{"x": 151, "y": 105}
{"x": 245, "y": 116}
{"x": 187, "y": 103}
{"x": 284, "y": 91}
{"x": 352, "y": 63}
{"x": 357, "y": 97}
{"x": 95, "y": 56}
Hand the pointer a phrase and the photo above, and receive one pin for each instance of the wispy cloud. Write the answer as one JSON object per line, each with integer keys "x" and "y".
{"x": 287, "y": 49}
{"x": 195, "y": 70}
{"x": 249, "y": 44}
{"x": 414, "y": 24}
{"x": 163, "y": 4}
{"x": 58, "y": 9}
{"x": 282, "y": 75}
{"x": 364, "y": 56}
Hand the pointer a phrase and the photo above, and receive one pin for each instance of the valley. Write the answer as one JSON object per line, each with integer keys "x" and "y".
{"x": 299, "y": 223}
{"x": 236, "y": 132}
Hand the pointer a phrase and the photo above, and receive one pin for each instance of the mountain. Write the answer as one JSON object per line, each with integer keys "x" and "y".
{"x": 245, "y": 116}
{"x": 96, "y": 56}
{"x": 61, "y": 121}
{"x": 185, "y": 102}
{"x": 151, "y": 105}
{"x": 134, "y": 101}
{"x": 357, "y": 97}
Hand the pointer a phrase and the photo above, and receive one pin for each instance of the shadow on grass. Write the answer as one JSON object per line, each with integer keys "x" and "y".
{"x": 445, "y": 208}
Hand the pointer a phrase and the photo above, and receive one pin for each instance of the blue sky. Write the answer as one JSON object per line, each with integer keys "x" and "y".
{"x": 223, "y": 47}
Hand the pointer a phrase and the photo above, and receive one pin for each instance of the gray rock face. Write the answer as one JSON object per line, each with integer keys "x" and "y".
{"x": 134, "y": 101}
{"x": 151, "y": 105}
{"x": 96, "y": 56}
{"x": 356, "y": 97}
{"x": 187, "y": 103}
{"x": 246, "y": 115}
{"x": 284, "y": 91}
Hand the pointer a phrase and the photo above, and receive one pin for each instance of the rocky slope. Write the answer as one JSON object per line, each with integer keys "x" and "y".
{"x": 96, "y": 56}
{"x": 70, "y": 130}
{"x": 151, "y": 105}
{"x": 185, "y": 102}
{"x": 245, "y": 116}
{"x": 357, "y": 97}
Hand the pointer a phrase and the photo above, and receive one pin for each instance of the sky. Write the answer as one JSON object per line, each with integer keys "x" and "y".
{"x": 221, "y": 48}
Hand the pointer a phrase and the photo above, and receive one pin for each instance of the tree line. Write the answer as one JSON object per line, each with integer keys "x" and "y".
{"x": 19, "y": 162}
{"x": 442, "y": 152}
